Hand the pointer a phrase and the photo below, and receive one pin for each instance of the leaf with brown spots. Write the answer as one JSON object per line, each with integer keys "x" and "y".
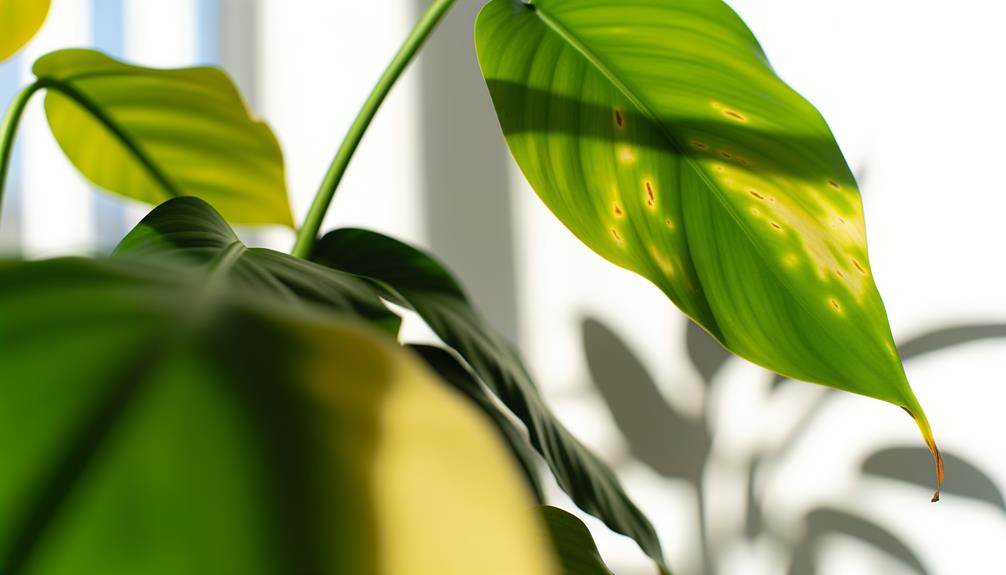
{"x": 732, "y": 195}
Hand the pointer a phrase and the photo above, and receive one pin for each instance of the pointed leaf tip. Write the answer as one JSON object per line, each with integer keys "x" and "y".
{"x": 927, "y": 436}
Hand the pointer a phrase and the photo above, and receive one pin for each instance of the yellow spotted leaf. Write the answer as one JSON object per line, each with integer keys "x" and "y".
{"x": 657, "y": 132}
{"x": 19, "y": 21}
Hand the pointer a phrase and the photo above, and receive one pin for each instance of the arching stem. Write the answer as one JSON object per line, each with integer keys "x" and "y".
{"x": 308, "y": 233}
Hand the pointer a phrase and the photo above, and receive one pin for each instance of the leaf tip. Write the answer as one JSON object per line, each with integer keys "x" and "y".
{"x": 927, "y": 435}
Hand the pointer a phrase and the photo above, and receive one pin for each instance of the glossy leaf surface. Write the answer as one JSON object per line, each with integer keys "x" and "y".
{"x": 577, "y": 551}
{"x": 190, "y": 230}
{"x": 151, "y": 134}
{"x": 658, "y": 133}
{"x": 414, "y": 279}
{"x": 156, "y": 417}
{"x": 19, "y": 21}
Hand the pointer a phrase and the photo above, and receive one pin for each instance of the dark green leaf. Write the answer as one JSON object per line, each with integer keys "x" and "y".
{"x": 573, "y": 543}
{"x": 414, "y": 279}
{"x": 155, "y": 134}
{"x": 189, "y": 229}
{"x": 658, "y": 133}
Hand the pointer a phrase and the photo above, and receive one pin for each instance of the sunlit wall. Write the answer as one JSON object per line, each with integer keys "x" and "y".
{"x": 742, "y": 474}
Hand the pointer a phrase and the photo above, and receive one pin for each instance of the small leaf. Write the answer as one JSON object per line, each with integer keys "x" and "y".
{"x": 416, "y": 280}
{"x": 452, "y": 372}
{"x": 905, "y": 463}
{"x": 19, "y": 21}
{"x": 573, "y": 543}
{"x": 657, "y": 132}
{"x": 151, "y": 135}
{"x": 160, "y": 416}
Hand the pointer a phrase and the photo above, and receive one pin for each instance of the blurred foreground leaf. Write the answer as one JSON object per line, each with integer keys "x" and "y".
{"x": 19, "y": 21}
{"x": 161, "y": 415}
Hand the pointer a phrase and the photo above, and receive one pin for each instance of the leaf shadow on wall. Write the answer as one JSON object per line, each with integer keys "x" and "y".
{"x": 680, "y": 447}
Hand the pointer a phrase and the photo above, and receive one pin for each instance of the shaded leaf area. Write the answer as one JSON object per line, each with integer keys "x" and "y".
{"x": 19, "y": 21}
{"x": 413, "y": 279}
{"x": 191, "y": 231}
{"x": 707, "y": 355}
{"x": 964, "y": 478}
{"x": 158, "y": 416}
{"x": 457, "y": 375}
{"x": 824, "y": 522}
{"x": 660, "y": 136}
{"x": 151, "y": 134}
{"x": 573, "y": 543}
{"x": 647, "y": 421}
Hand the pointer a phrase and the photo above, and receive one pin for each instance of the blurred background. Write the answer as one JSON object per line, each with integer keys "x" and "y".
{"x": 741, "y": 472}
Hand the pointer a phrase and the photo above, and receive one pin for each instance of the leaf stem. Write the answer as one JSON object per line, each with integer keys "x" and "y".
{"x": 8, "y": 129}
{"x": 13, "y": 118}
{"x": 308, "y": 233}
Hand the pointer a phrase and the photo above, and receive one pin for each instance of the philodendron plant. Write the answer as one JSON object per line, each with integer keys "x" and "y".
{"x": 193, "y": 405}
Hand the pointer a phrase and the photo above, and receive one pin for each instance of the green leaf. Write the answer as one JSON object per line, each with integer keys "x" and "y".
{"x": 152, "y": 134}
{"x": 158, "y": 417}
{"x": 19, "y": 21}
{"x": 414, "y": 279}
{"x": 573, "y": 543}
{"x": 657, "y": 132}
{"x": 189, "y": 229}
{"x": 457, "y": 375}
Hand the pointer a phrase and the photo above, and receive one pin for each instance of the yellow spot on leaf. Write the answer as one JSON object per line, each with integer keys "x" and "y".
{"x": 791, "y": 259}
{"x": 669, "y": 223}
{"x": 626, "y": 155}
{"x": 661, "y": 260}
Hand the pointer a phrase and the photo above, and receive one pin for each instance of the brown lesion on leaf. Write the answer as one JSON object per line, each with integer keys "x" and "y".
{"x": 700, "y": 145}
{"x": 726, "y": 155}
{"x": 756, "y": 193}
{"x": 735, "y": 115}
{"x": 619, "y": 119}
{"x": 616, "y": 235}
{"x": 776, "y": 226}
{"x": 834, "y": 184}
{"x": 618, "y": 210}
{"x": 859, "y": 267}
{"x": 836, "y": 305}
{"x": 651, "y": 196}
